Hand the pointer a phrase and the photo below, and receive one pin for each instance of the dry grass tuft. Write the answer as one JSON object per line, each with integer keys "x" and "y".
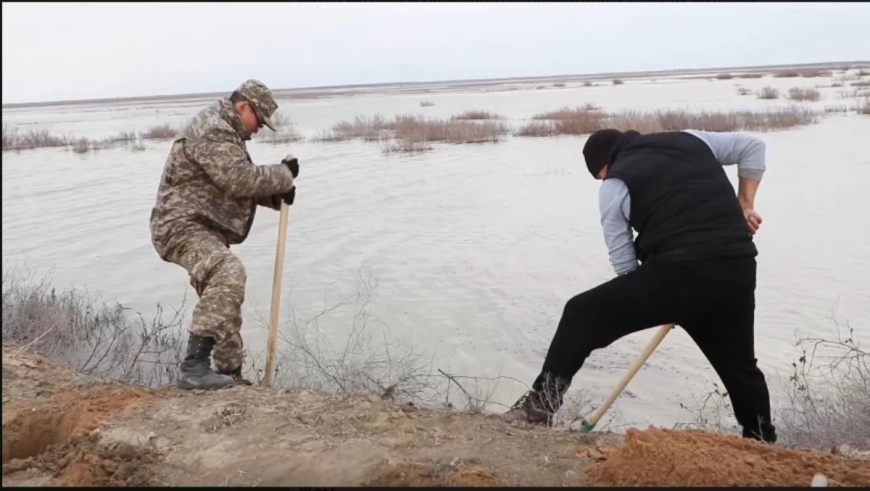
{"x": 14, "y": 139}
{"x": 617, "y": 81}
{"x": 864, "y": 106}
{"x": 565, "y": 121}
{"x": 724, "y": 76}
{"x": 426, "y": 104}
{"x": 828, "y": 395}
{"x": 160, "y": 132}
{"x": 286, "y": 131}
{"x": 803, "y": 72}
{"x": 802, "y": 94}
{"x": 413, "y": 133}
{"x": 81, "y": 146}
{"x": 581, "y": 121}
{"x": 751, "y": 75}
{"x": 94, "y": 337}
{"x": 744, "y": 91}
{"x": 863, "y": 83}
{"x": 475, "y": 114}
{"x": 768, "y": 93}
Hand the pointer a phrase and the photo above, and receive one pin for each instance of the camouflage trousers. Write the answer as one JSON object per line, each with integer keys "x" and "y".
{"x": 219, "y": 279}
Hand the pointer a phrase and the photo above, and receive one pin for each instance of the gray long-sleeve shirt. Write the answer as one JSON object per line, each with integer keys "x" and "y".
{"x": 747, "y": 151}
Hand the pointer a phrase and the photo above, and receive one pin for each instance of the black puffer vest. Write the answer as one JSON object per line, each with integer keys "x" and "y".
{"x": 683, "y": 206}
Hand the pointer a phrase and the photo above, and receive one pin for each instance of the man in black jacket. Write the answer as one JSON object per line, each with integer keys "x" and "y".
{"x": 697, "y": 263}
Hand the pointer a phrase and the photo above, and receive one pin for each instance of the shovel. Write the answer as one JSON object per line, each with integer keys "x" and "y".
{"x": 276, "y": 294}
{"x": 589, "y": 424}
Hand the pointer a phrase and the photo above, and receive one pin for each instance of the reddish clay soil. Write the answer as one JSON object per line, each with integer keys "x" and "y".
{"x": 63, "y": 429}
{"x": 658, "y": 457}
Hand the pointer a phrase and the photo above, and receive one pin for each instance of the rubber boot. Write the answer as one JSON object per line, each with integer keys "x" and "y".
{"x": 196, "y": 372}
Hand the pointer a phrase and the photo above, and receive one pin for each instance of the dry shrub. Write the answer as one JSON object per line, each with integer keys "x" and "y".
{"x": 280, "y": 121}
{"x": 42, "y": 138}
{"x": 751, "y": 75}
{"x": 368, "y": 360}
{"x": 847, "y": 94}
{"x": 642, "y": 122}
{"x": 81, "y": 145}
{"x": 413, "y": 132}
{"x": 285, "y": 135}
{"x": 787, "y": 74}
{"x": 433, "y": 130}
{"x": 565, "y": 121}
{"x": 768, "y": 93}
{"x": 584, "y": 121}
{"x": 743, "y": 91}
{"x": 864, "y": 106}
{"x": 724, "y": 76}
{"x": 123, "y": 137}
{"x": 813, "y": 73}
{"x": 327, "y": 136}
{"x": 286, "y": 131}
{"x": 617, "y": 81}
{"x": 99, "y": 339}
{"x": 94, "y": 337}
{"x": 836, "y": 109}
{"x": 559, "y": 86}
{"x": 406, "y": 145}
{"x": 13, "y": 139}
{"x": 827, "y": 400}
{"x": 426, "y": 104}
{"x": 160, "y": 132}
{"x": 802, "y": 94}
{"x": 568, "y": 112}
{"x": 476, "y": 114}
{"x": 364, "y": 128}
{"x": 863, "y": 83}
{"x": 587, "y": 83}
{"x": 538, "y": 129}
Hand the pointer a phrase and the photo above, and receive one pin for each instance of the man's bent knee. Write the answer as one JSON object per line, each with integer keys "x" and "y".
{"x": 230, "y": 277}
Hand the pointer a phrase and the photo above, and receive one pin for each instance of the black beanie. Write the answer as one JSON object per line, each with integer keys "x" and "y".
{"x": 596, "y": 151}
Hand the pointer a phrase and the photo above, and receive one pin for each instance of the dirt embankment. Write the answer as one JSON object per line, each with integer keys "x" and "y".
{"x": 60, "y": 428}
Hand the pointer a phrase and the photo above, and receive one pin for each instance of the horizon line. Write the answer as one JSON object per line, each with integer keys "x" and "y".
{"x": 474, "y": 81}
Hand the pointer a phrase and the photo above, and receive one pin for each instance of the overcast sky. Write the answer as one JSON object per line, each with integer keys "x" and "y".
{"x": 94, "y": 50}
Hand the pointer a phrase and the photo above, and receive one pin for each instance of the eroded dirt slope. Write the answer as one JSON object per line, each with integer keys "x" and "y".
{"x": 60, "y": 428}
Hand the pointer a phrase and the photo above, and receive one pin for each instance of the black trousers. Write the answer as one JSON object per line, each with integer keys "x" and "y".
{"x": 714, "y": 301}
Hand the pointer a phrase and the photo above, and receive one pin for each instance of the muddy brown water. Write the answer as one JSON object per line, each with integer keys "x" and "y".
{"x": 476, "y": 247}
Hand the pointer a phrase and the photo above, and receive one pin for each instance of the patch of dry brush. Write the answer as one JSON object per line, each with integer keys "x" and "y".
{"x": 286, "y": 131}
{"x": 804, "y": 94}
{"x": 768, "y": 93}
{"x": 412, "y": 133}
{"x": 475, "y": 114}
{"x": 16, "y": 140}
{"x": 588, "y": 119}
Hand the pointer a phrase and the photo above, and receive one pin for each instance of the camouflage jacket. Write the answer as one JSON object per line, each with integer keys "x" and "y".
{"x": 210, "y": 181}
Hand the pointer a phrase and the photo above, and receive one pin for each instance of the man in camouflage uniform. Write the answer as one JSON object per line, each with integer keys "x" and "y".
{"x": 207, "y": 199}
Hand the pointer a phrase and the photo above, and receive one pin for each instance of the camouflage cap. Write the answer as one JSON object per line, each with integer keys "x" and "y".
{"x": 262, "y": 100}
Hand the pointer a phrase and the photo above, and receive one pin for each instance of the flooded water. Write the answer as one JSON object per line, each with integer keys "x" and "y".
{"x": 476, "y": 247}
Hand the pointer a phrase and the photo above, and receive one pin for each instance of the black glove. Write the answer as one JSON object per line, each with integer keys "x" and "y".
{"x": 292, "y": 164}
{"x": 289, "y": 196}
